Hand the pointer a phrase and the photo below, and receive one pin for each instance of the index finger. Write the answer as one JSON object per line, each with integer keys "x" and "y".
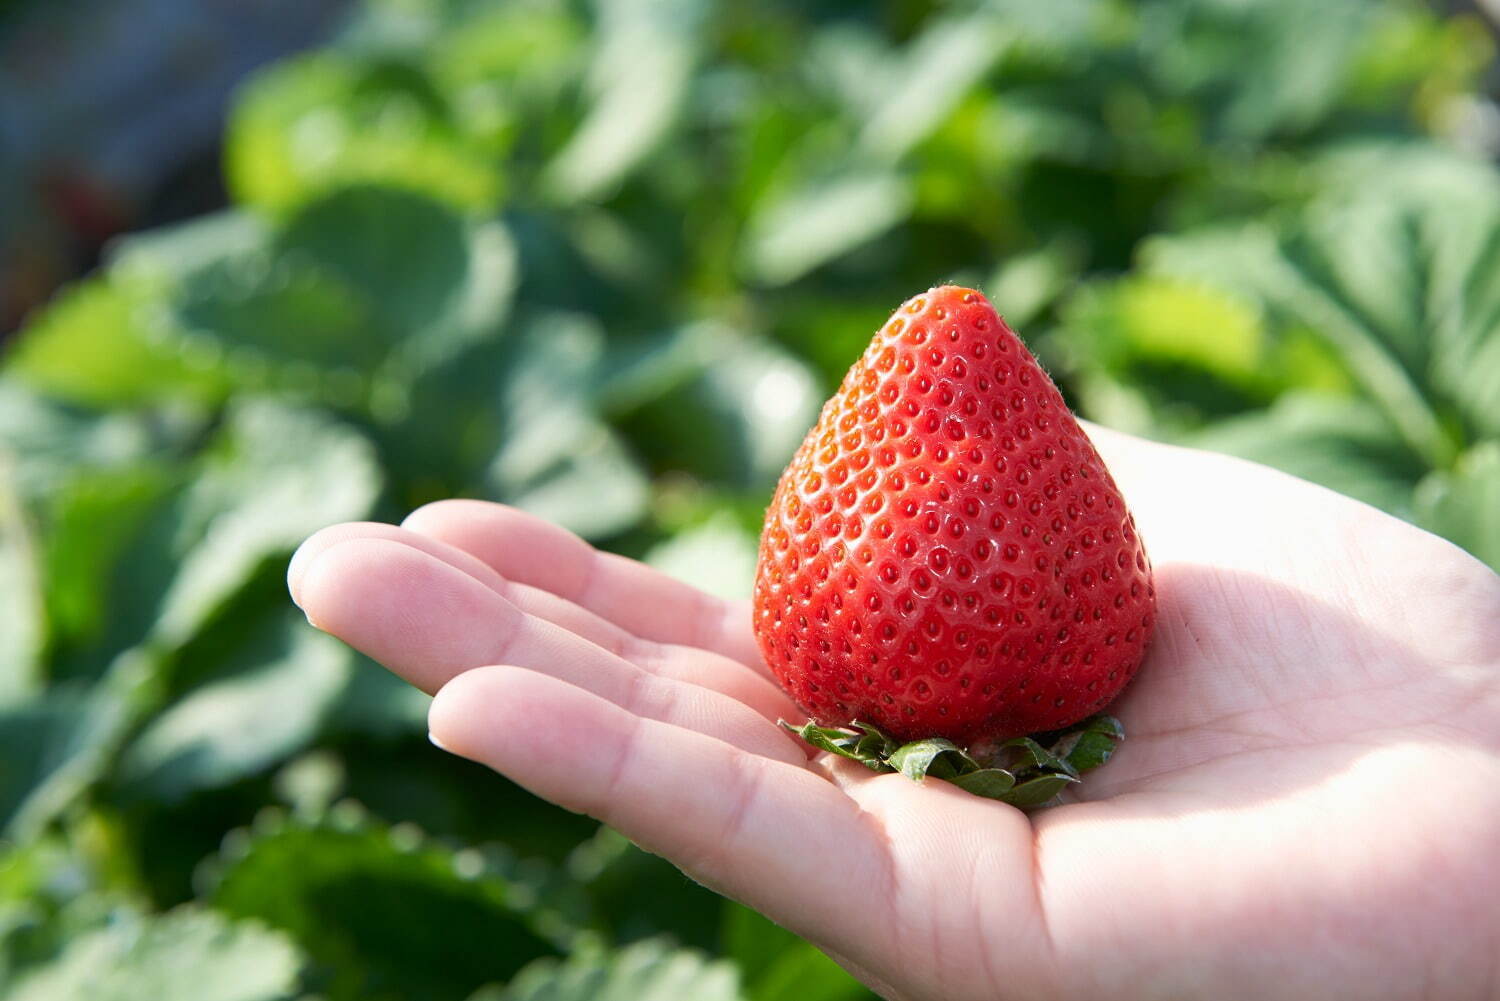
{"x": 639, "y": 599}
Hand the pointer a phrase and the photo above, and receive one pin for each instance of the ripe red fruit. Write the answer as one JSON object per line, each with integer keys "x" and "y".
{"x": 946, "y": 555}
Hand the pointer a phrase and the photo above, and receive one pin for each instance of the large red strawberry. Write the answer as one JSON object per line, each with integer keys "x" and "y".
{"x": 947, "y": 555}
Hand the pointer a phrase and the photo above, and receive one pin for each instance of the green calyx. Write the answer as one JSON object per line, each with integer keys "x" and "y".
{"x": 1026, "y": 772}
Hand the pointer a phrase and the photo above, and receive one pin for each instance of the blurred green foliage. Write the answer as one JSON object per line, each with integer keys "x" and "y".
{"x": 604, "y": 261}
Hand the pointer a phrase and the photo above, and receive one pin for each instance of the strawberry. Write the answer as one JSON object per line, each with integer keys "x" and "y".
{"x": 946, "y": 555}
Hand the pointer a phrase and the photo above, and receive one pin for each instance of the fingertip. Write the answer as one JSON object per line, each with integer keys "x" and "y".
{"x": 430, "y": 517}
{"x": 314, "y": 546}
{"x": 475, "y": 713}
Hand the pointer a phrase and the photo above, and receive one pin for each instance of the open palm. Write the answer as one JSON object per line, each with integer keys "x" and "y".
{"x": 1307, "y": 804}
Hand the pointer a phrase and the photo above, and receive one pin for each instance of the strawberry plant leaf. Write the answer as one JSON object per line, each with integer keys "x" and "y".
{"x": 430, "y": 281}
{"x": 388, "y": 912}
{"x": 1462, "y": 504}
{"x": 331, "y": 306}
{"x": 822, "y": 221}
{"x": 639, "y": 80}
{"x": 265, "y": 704}
{"x": 652, "y": 970}
{"x": 778, "y": 966}
{"x": 315, "y": 123}
{"x": 95, "y": 344}
{"x": 185, "y": 954}
{"x": 1346, "y": 445}
{"x": 752, "y": 402}
{"x": 273, "y": 476}
{"x": 51, "y": 443}
{"x": 717, "y": 556}
{"x": 58, "y": 743}
{"x": 23, "y": 624}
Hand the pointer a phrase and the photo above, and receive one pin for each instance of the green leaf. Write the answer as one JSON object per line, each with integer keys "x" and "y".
{"x": 717, "y": 556}
{"x": 647, "y": 971}
{"x": 846, "y": 744}
{"x": 156, "y": 258}
{"x": 1024, "y": 285}
{"x": 273, "y": 477}
{"x": 822, "y": 221}
{"x": 1463, "y": 505}
{"x": 557, "y": 459}
{"x": 1163, "y": 320}
{"x": 185, "y": 955}
{"x": 276, "y": 321}
{"x": 752, "y": 403}
{"x": 51, "y": 894}
{"x": 1038, "y": 791}
{"x": 263, "y": 705}
{"x": 938, "y": 68}
{"x": 1345, "y": 445}
{"x": 804, "y": 973}
{"x": 94, "y": 345}
{"x": 1397, "y": 274}
{"x": 638, "y": 82}
{"x": 359, "y": 292}
{"x": 940, "y": 757}
{"x": 778, "y": 966}
{"x": 387, "y": 912}
{"x": 1089, "y": 744}
{"x": 1023, "y": 755}
{"x": 429, "y": 280}
{"x": 51, "y": 443}
{"x": 317, "y": 122}
{"x": 54, "y": 745}
{"x": 991, "y": 783}
{"x": 594, "y": 488}
{"x": 23, "y": 624}
{"x": 93, "y": 520}
{"x": 639, "y": 895}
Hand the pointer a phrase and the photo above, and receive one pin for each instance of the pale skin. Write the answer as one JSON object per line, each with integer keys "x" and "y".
{"x": 1307, "y": 804}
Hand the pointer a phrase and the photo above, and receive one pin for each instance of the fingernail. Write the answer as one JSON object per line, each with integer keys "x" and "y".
{"x": 438, "y": 743}
{"x": 295, "y": 571}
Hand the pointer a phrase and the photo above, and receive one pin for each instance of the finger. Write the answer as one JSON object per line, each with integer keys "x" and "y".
{"x": 525, "y": 548}
{"x": 776, "y": 836}
{"x": 429, "y": 622}
{"x": 531, "y": 600}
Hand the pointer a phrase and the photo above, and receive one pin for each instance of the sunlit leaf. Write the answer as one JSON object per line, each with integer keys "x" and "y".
{"x": 94, "y": 345}
{"x": 646, "y": 971}
{"x": 314, "y": 123}
{"x": 1346, "y": 445}
{"x": 778, "y": 966}
{"x": 23, "y": 623}
{"x": 55, "y": 744}
{"x": 639, "y": 78}
{"x": 185, "y": 955}
{"x": 388, "y": 912}
{"x": 717, "y": 556}
{"x": 813, "y": 225}
{"x": 274, "y": 476}
{"x": 264, "y": 704}
{"x": 752, "y": 404}
{"x": 1463, "y": 504}
{"x": 938, "y": 68}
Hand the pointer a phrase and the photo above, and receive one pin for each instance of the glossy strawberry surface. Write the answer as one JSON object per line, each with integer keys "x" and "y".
{"x": 947, "y": 555}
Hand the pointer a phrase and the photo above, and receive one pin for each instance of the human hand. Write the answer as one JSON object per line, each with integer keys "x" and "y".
{"x": 1307, "y": 804}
